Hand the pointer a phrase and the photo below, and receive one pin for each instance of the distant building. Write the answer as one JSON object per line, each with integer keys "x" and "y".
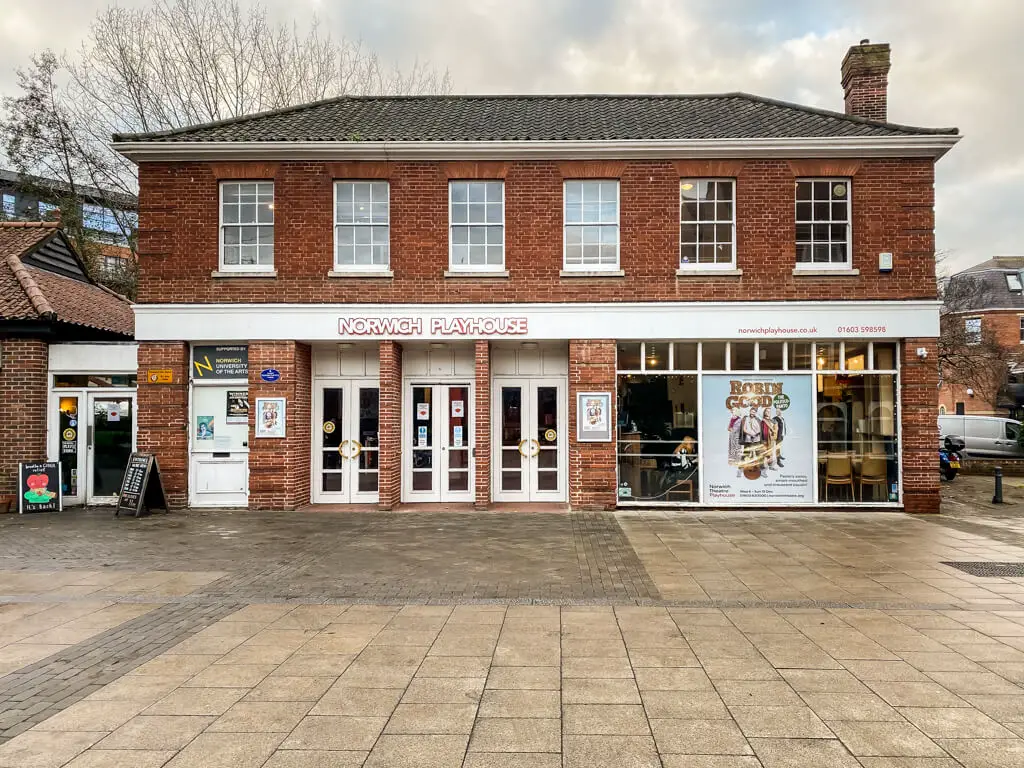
{"x": 994, "y": 303}
{"x": 103, "y": 223}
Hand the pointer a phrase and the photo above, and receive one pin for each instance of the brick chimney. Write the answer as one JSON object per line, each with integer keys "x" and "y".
{"x": 865, "y": 80}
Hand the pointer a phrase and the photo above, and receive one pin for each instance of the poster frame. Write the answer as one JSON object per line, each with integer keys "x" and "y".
{"x": 584, "y": 435}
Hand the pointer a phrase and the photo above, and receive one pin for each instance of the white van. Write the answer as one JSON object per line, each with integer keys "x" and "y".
{"x": 985, "y": 436}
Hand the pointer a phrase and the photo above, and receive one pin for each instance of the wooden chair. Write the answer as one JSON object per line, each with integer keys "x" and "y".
{"x": 676, "y": 492}
{"x": 874, "y": 472}
{"x": 839, "y": 471}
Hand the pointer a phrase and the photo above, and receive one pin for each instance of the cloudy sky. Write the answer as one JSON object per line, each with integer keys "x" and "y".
{"x": 955, "y": 63}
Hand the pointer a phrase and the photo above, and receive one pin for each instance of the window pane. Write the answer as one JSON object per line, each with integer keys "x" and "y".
{"x": 494, "y": 192}
{"x": 229, "y": 192}
{"x": 657, "y": 438}
{"x": 741, "y": 356}
{"x": 656, "y": 356}
{"x": 685, "y": 356}
{"x": 713, "y": 356}
{"x": 628, "y": 356}
{"x": 688, "y": 212}
{"x": 477, "y": 192}
{"x": 769, "y": 354}
{"x": 856, "y": 355}
{"x": 459, "y": 192}
{"x": 858, "y": 430}
{"x": 799, "y": 355}
{"x": 884, "y": 356}
{"x": 827, "y": 356}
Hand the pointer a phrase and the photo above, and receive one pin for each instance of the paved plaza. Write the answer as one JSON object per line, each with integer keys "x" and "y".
{"x": 500, "y": 640}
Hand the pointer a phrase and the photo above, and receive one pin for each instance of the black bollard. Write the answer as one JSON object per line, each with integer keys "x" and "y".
{"x": 997, "y": 498}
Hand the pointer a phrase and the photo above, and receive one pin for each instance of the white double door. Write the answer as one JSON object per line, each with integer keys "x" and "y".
{"x": 437, "y": 457}
{"x": 346, "y": 452}
{"x": 529, "y": 439}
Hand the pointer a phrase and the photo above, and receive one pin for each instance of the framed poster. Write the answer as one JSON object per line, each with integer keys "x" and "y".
{"x": 270, "y": 416}
{"x": 204, "y": 427}
{"x": 594, "y": 417}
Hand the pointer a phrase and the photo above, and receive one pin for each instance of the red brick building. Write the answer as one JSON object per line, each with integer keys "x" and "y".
{"x": 67, "y": 366}
{"x": 988, "y": 303}
{"x": 576, "y": 300}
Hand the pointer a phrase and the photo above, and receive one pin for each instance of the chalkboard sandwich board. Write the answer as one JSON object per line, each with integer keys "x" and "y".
{"x": 141, "y": 486}
{"x": 39, "y": 488}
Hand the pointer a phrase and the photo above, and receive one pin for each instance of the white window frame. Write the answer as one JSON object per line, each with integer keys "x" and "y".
{"x": 1020, "y": 318}
{"x": 220, "y": 228}
{"x": 969, "y": 338}
{"x": 1017, "y": 277}
{"x": 813, "y": 266}
{"x": 617, "y": 224}
{"x": 453, "y": 267}
{"x": 698, "y": 266}
{"x": 339, "y": 267}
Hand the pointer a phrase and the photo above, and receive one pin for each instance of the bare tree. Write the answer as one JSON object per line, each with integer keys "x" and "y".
{"x": 968, "y": 356}
{"x": 176, "y": 63}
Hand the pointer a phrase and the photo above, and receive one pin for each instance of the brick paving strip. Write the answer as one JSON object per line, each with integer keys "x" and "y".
{"x": 41, "y": 690}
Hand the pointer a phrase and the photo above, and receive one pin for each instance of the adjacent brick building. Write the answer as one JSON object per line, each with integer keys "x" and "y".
{"x": 67, "y": 357}
{"x": 575, "y": 300}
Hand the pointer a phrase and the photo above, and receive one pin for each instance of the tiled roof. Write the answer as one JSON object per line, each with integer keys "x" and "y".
{"x": 537, "y": 118}
{"x": 33, "y": 294}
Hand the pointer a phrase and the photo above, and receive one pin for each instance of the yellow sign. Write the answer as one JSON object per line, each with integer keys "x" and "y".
{"x": 160, "y": 376}
{"x": 69, "y": 434}
{"x": 328, "y": 427}
{"x": 550, "y": 435}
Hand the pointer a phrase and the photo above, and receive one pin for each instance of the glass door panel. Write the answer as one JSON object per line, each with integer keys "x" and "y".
{"x": 366, "y": 441}
{"x": 332, "y": 464}
{"x": 544, "y": 454}
{"x": 511, "y": 446}
{"x": 111, "y": 443}
{"x": 422, "y": 449}
{"x": 458, "y": 439}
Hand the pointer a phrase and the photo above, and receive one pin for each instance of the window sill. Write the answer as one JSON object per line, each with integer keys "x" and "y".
{"x": 592, "y": 273}
{"x": 500, "y": 274}
{"x": 698, "y": 272}
{"x": 802, "y": 272}
{"x": 379, "y": 274}
{"x": 222, "y": 273}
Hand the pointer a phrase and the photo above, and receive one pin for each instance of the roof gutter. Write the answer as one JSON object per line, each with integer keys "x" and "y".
{"x": 931, "y": 145}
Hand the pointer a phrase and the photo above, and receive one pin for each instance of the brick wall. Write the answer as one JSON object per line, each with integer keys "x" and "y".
{"x": 482, "y": 427}
{"x": 163, "y": 415}
{"x": 23, "y": 392}
{"x": 390, "y": 424}
{"x": 919, "y": 431}
{"x": 279, "y": 468}
{"x": 591, "y": 465}
{"x": 892, "y": 211}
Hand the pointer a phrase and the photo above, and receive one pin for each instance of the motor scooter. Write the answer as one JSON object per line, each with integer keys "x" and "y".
{"x": 950, "y": 456}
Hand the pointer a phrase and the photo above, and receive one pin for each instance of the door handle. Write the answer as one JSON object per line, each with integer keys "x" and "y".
{"x": 534, "y": 444}
{"x": 523, "y": 453}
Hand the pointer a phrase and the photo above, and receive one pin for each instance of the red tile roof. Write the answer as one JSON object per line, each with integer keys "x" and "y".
{"x": 30, "y": 293}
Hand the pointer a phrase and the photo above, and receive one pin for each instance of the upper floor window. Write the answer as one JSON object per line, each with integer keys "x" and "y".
{"x": 9, "y": 209}
{"x": 823, "y": 223}
{"x": 591, "y": 225}
{"x": 476, "y": 225}
{"x": 362, "y": 225}
{"x": 107, "y": 221}
{"x": 247, "y": 226}
{"x": 1013, "y": 283}
{"x": 972, "y": 330}
{"x": 1022, "y": 329}
{"x": 707, "y": 229}
{"x": 45, "y": 209}
{"x": 113, "y": 264}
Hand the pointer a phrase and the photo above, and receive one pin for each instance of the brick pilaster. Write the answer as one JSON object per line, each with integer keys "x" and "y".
{"x": 162, "y": 415}
{"x": 919, "y": 432}
{"x": 591, "y": 465}
{"x": 482, "y": 428}
{"x": 279, "y": 468}
{"x": 23, "y": 391}
{"x": 390, "y": 424}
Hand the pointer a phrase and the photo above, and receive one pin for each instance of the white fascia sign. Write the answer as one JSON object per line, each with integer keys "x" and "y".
{"x": 448, "y": 322}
